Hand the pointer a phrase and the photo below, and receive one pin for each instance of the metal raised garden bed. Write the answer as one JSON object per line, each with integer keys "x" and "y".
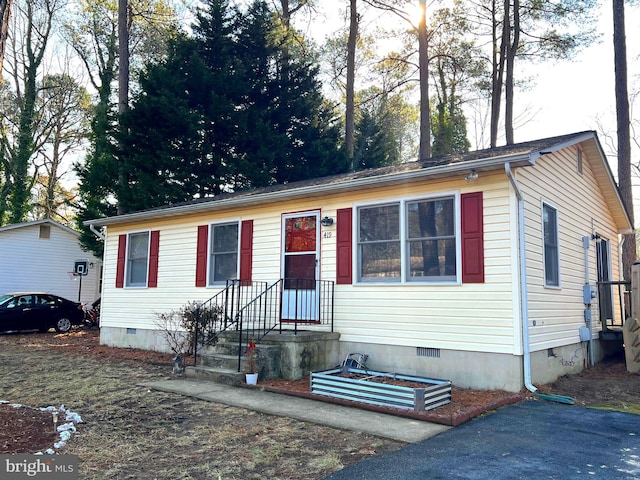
{"x": 363, "y": 389}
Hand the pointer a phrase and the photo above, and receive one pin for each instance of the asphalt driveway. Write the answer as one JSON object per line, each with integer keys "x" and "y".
{"x": 531, "y": 440}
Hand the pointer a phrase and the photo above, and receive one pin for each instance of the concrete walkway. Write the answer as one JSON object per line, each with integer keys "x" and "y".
{"x": 314, "y": 411}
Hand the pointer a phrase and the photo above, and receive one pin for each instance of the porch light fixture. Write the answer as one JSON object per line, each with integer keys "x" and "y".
{"x": 473, "y": 175}
{"x": 326, "y": 221}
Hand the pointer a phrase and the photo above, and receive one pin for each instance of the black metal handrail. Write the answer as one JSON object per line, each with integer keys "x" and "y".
{"x": 258, "y": 317}
{"x": 286, "y": 302}
{"x": 607, "y": 306}
{"x": 256, "y": 308}
{"x": 220, "y": 312}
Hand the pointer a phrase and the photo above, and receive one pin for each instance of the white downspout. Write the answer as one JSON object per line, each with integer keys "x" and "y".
{"x": 524, "y": 302}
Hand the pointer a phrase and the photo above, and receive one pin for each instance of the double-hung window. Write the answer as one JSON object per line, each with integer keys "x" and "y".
{"x": 551, "y": 257}
{"x": 408, "y": 241}
{"x": 223, "y": 253}
{"x": 137, "y": 259}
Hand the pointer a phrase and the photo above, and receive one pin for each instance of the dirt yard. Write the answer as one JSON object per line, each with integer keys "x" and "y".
{"x": 130, "y": 432}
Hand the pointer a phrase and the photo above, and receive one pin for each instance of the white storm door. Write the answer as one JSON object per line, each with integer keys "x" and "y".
{"x": 300, "y": 266}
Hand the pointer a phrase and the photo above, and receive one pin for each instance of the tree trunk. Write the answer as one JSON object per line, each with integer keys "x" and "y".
{"x": 498, "y": 66}
{"x": 5, "y": 15}
{"x": 624, "y": 134}
{"x": 511, "y": 51}
{"x": 123, "y": 78}
{"x": 351, "y": 72}
{"x": 423, "y": 61}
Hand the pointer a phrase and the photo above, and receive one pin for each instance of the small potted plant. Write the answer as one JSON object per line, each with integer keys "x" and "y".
{"x": 251, "y": 364}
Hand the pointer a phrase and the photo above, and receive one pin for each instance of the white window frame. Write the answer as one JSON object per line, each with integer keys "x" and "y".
{"x": 127, "y": 269}
{"x": 210, "y": 253}
{"x": 405, "y": 279}
{"x": 549, "y": 205}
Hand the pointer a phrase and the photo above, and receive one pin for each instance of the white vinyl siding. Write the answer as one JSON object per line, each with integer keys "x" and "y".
{"x": 469, "y": 317}
{"x": 556, "y": 314}
{"x": 477, "y": 317}
{"x": 31, "y": 263}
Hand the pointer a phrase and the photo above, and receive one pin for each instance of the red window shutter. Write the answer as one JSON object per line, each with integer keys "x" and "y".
{"x": 122, "y": 254}
{"x": 201, "y": 256}
{"x": 472, "y": 238}
{"x": 246, "y": 250}
{"x": 344, "y": 247}
{"x": 154, "y": 249}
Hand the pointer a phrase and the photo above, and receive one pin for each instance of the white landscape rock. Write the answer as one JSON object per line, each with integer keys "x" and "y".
{"x": 66, "y": 429}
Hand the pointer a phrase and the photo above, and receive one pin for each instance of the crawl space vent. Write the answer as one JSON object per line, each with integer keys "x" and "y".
{"x": 428, "y": 352}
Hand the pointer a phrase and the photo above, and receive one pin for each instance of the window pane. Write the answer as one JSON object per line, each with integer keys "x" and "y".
{"x": 549, "y": 219}
{"x": 225, "y": 267}
{"x": 432, "y": 244}
{"x": 224, "y": 253}
{"x": 300, "y": 271}
{"x": 138, "y": 272}
{"x": 138, "y": 245}
{"x": 379, "y": 223}
{"x": 138, "y": 249}
{"x": 551, "y": 260}
{"x": 433, "y": 218}
{"x": 380, "y": 261}
{"x": 225, "y": 238}
{"x": 379, "y": 239}
{"x": 300, "y": 234}
{"x": 432, "y": 258}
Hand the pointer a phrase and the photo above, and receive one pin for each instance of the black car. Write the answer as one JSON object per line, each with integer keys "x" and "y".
{"x": 38, "y": 311}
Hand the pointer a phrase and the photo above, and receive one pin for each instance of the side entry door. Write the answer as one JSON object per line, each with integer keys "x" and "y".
{"x": 300, "y": 266}
{"x": 605, "y": 298}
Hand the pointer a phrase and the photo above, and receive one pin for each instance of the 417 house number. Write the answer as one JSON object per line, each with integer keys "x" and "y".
{"x": 326, "y": 234}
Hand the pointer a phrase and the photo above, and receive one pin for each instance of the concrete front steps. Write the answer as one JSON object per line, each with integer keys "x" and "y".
{"x": 279, "y": 355}
{"x": 219, "y": 363}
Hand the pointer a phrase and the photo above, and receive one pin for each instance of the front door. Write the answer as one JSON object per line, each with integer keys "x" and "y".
{"x": 300, "y": 253}
{"x": 605, "y": 300}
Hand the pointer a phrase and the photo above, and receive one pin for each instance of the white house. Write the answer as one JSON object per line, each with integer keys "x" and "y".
{"x": 469, "y": 267}
{"x": 40, "y": 255}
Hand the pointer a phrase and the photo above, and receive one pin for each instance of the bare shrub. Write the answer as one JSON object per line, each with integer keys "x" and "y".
{"x": 193, "y": 323}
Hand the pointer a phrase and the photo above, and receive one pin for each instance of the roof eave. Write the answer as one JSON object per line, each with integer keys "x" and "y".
{"x": 317, "y": 190}
{"x": 621, "y": 215}
{"x": 40, "y": 222}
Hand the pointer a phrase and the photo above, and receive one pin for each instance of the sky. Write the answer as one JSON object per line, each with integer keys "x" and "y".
{"x": 575, "y": 96}
{"x": 571, "y": 96}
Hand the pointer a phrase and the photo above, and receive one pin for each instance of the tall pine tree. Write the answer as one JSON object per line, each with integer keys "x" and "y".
{"x": 228, "y": 109}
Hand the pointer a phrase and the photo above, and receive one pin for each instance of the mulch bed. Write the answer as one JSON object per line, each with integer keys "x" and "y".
{"x": 25, "y": 429}
{"x": 465, "y": 403}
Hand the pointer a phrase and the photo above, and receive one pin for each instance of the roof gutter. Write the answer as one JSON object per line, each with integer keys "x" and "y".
{"x": 313, "y": 190}
{"x": 524, "y": 302}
